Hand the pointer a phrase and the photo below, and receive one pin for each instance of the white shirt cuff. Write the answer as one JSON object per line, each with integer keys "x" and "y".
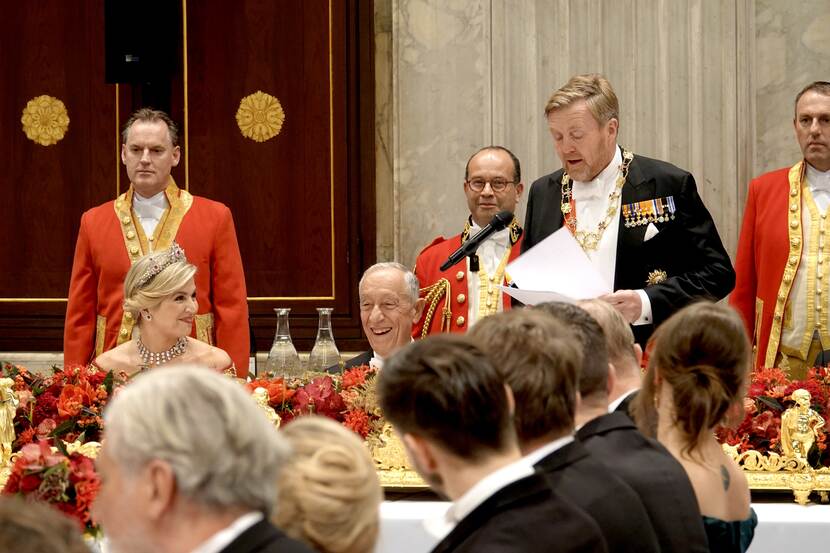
{"x": 645, "y": 312}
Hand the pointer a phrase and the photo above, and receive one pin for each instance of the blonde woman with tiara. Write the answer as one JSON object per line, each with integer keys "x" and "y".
{"x": 160, "y": 293}
{"x": 328, "y": 493}
{"x": 698, "y": 369}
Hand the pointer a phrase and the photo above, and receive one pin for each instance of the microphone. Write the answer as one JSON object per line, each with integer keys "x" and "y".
{"x": 500, "y": 221}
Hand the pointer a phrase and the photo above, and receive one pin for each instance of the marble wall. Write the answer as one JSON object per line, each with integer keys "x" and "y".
{"x": 695, "y": 79}
{"x": 792, "y": 50}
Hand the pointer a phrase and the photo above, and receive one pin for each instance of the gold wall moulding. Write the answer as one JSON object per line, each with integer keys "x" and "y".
{"x": 260, "y": 116}
{"x": 45, "y": 120}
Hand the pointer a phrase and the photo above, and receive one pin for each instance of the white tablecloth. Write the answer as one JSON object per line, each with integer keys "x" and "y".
{"x": 782, "y": 527}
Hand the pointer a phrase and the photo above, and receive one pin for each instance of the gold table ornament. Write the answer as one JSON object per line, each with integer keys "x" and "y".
{"x": 391, "y": 461}
{"x": 45, "y": 120}
{"x": 260, "y": 116}
{"x": 800, "y": 428}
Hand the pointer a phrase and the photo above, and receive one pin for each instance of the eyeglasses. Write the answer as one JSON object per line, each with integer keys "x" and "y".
{"x": 498, "y": 185}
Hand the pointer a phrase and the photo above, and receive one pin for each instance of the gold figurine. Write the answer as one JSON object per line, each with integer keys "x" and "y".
{"x": 261, "y": 397}
{"x": 800, "y": 426}
{"x": 8, "y": 409}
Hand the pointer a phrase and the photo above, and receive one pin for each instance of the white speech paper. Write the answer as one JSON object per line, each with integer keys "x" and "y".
{"x": 555, "y": 269}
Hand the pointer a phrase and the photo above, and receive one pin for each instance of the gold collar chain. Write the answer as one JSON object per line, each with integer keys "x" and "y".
{"x": 589, "y": 240}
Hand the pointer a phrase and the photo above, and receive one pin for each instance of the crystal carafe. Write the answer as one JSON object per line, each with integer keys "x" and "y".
{"x": 324, "y": 354}
{"x": 283, "y": 359}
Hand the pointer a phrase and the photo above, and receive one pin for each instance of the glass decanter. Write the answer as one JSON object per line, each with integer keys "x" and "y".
{"x": 283, "y": 359}
{"x": 324, "y": 354}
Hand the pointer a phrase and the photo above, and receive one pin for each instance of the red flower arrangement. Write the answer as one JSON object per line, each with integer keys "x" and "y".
{"x": 68, "y": 482}
{"x": 348, "y": 398}
{"x": 769, "y": 395}
{"x": 66, "y": 404}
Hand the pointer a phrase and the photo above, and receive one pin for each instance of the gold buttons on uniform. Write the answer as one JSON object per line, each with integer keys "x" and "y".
{"x": 128, "y": 316}
{"x": 125, "y": 220}
{"x": 792, "y": 260}
{"x": 794, "y": 224}
{"x": 460, "y": 321}
{"x": 134, "y": 250}
{"x": 123, "y": 332}
{"x": 130, "y": 235}
{"x": 795, "y": 241}
{"x": 461, "y": 298}
{"x": 793, "y": 207}
{"x": 793, "y": 192}
{"x": 459, "y": 275}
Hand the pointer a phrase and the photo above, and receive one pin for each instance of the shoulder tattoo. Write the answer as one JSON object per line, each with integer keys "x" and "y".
{"x": 724, "y": 474}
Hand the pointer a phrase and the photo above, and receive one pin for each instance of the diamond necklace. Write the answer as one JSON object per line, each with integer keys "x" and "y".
{"x": 152, "y": 358}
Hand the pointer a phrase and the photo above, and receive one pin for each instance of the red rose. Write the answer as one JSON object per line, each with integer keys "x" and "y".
{"x": 73, "y": 398}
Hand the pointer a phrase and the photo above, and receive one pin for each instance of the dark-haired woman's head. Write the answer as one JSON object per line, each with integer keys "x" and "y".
{"x": 702, "y": 355}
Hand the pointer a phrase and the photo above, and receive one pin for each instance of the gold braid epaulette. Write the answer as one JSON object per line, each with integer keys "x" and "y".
{"x": 433, "y": 294}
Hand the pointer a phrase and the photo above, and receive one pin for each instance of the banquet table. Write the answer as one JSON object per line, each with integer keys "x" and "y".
{"x": 781, "y": 527}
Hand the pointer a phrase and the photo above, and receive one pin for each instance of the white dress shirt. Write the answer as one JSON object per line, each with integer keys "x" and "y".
{"x": 592, "y": 205}
{"x": 150, "y": 211}
{"x": 616, "y": 403}
{"x": 223, "y": 538}
{"x": 819, "y": 183}
{"x": 538, "y": 454}
{"x": 439, "y": 527}
{"x": 490, "y": 253}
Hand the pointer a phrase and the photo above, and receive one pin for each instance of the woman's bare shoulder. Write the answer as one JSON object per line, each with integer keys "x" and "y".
{"x": 120, "y": 358}
{"x": 208, "y": 355}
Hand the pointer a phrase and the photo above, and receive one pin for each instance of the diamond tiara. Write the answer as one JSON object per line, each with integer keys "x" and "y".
{"x": 163, "y": 260}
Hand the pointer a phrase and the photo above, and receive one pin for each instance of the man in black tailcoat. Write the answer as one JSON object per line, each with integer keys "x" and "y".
{"x": 612, "y": 437}
{"x": 640, "y": 221}
{"x": 454, "y": 415}
{"x": 539, "y": 358}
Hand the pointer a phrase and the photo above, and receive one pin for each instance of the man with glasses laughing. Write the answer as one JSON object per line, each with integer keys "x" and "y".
{"x": 469, "y": 290}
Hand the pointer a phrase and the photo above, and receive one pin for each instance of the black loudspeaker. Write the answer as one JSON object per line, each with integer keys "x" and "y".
{"x": 142, "y": 40}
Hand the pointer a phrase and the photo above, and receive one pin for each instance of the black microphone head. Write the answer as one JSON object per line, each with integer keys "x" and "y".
{"x": 501, "y": 219}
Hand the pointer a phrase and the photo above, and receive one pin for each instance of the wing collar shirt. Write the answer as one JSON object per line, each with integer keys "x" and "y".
{"x": 150, "y": 211}
{"x": 819, "y": 183}
{"x": 376, "y": 361}
{"x": 591, "y": 200}
{"x": 221, "y": 539}
{"x": 490, "y": 253}
{"x": 439, "y": 527}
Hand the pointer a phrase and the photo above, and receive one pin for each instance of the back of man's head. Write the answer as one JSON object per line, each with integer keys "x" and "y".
{"x": 537, "y": 358}
{"x": 593, "y": 373}
{"x": 33, "y": 527}
{"x": 219, "y": 444}
{"x": 445, "y": 390}
{"x": 619, "y": 338}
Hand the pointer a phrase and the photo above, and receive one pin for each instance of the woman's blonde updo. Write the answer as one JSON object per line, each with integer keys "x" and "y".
{"x": 154, "y": 277}
{"x": 329, "y": 492}
{"x": 703, "y": 354}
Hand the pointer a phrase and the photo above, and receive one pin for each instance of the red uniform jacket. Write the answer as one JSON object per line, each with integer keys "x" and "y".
{"x": 452, "y": 292}
{"x": 769, "y": 252}
{"x": 107, "y": 245}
